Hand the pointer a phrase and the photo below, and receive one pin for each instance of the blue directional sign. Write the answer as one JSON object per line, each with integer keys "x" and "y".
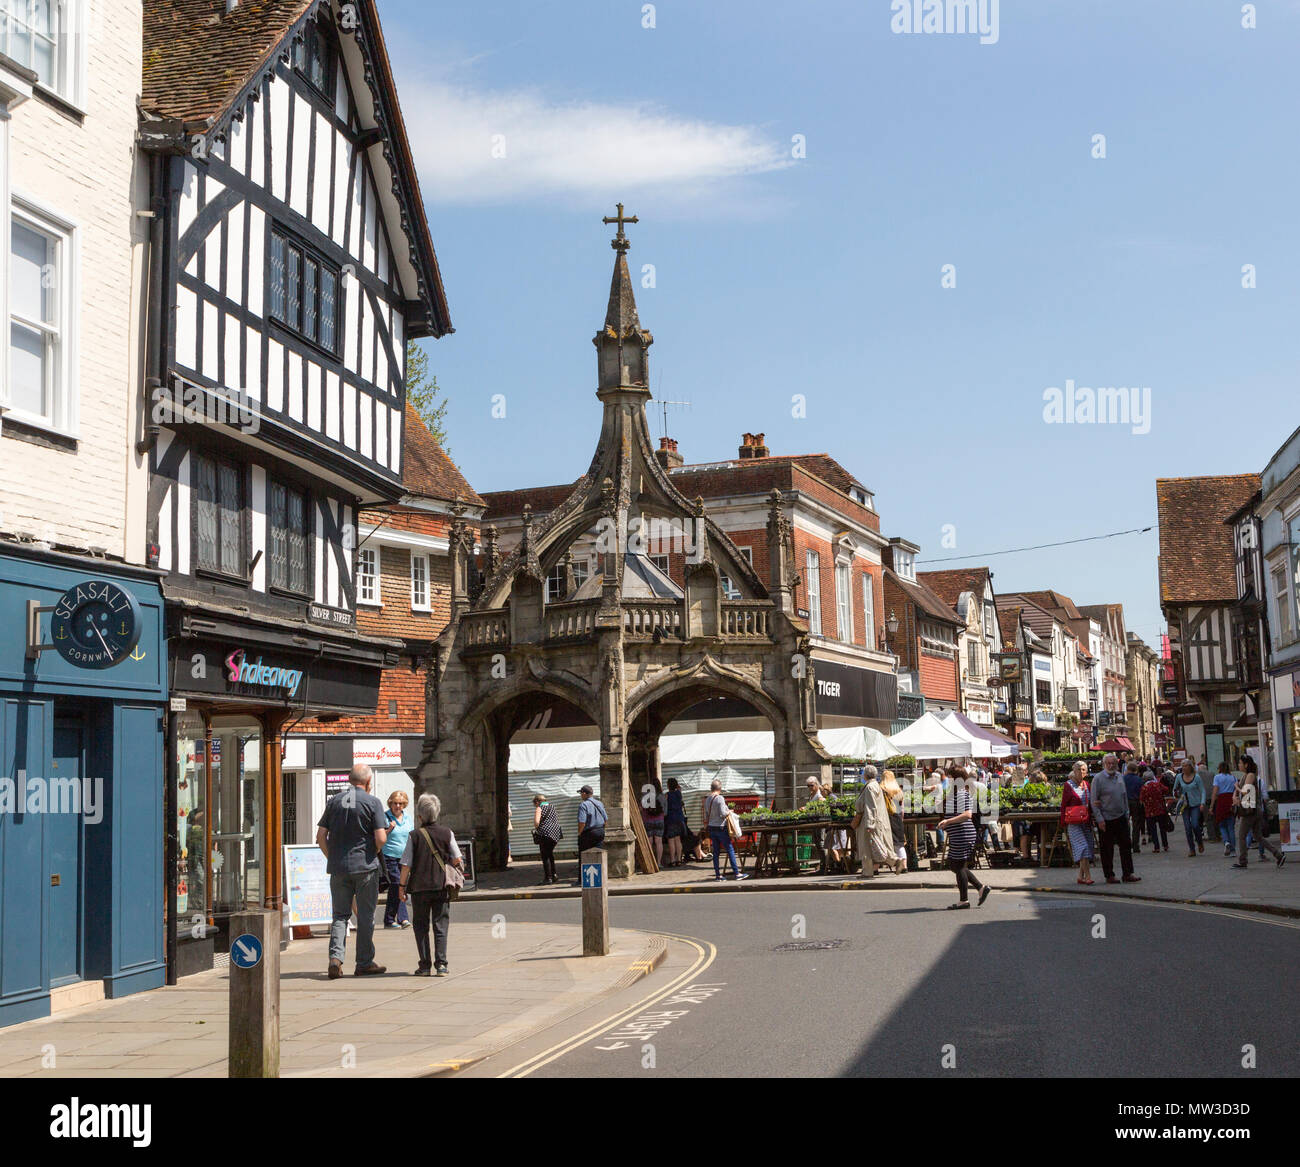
{"x": 246, "y": 951}
{"x": 591, "y": 875}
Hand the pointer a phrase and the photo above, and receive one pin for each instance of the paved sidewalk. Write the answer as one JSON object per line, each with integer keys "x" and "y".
{"x": 1169, "y": 876}
{"x": 500, "y": 989}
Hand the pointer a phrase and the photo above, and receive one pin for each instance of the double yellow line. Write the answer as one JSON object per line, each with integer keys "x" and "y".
{"x": 706, "y": 953}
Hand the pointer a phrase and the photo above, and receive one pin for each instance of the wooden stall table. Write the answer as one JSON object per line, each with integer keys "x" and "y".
{"x": 777, "y": 849}
{"x": 1045, "y": 820}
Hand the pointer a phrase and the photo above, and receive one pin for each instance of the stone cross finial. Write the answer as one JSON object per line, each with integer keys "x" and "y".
{"x": 620, "y": 241}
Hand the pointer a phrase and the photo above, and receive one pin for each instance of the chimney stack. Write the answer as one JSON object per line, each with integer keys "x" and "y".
{"x": 752, "y": 446}
{"x": 667, "y": 454}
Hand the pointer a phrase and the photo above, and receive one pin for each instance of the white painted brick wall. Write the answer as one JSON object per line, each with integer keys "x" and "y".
{"x": 91, "y": 175}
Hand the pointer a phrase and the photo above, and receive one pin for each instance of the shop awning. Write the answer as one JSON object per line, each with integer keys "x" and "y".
{"x": 984, "y": 743}
{"x": 1114, "y": 745}
{"x": 928, "y": 737}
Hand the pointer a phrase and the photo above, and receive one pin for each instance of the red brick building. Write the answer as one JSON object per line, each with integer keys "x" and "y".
{"x": 928, "y": 631}
{"x": 404, "y": 594}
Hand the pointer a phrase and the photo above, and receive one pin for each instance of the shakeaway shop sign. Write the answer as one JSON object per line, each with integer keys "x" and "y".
{"x": 242, "y": 671}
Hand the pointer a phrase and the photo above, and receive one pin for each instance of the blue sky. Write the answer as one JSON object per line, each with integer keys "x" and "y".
{"x": 821, "y": 275}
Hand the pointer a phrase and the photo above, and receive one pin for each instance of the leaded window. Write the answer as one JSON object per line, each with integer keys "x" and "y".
{"x": 287, "y": 523}
{"x": 219, "y": 515}
{"x": 304, "y": 292}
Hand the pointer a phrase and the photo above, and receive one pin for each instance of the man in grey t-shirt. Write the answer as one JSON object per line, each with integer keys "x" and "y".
{"x": 350, "y": 834}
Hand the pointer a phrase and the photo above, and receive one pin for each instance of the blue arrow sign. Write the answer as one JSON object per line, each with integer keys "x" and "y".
{"x": 246, "y": 951}
{"x": 591, "y": 875}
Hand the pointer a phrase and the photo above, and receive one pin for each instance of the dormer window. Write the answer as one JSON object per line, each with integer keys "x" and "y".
{"x": 905, "y": 564}
{"x": 313, "y": 58}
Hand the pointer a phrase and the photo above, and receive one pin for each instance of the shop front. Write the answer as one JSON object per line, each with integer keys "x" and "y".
{"x": 317, "y": 767}
{"x": 1286, "y": 735}
{"x": 236, "y": 687}
{"x": 82, "y": 715}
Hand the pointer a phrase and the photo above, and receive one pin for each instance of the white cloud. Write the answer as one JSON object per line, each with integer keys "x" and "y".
{"x": 580, "y": 150}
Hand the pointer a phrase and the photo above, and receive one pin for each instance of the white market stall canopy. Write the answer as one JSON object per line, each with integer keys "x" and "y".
{"x": 859, "y": 742}
{"x": 740, "y": 760}
{"x": 984, "y": 743}
{"x": 929, "y": 737}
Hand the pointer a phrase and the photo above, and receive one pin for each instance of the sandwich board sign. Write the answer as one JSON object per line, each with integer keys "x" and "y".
{"x": 307, "y": 898}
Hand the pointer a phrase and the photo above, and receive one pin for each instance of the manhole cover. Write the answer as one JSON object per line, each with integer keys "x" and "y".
{"x": 809, "y": 945}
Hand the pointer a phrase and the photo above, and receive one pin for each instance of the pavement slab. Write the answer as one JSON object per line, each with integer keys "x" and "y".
{"x": 506, "y": 983}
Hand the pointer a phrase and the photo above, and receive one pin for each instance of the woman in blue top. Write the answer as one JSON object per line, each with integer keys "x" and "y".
{"x": 1191, "y": 801}
{"x": 399, "y": 827}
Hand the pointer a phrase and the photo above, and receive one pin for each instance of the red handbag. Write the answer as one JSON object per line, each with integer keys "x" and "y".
{"x": 1078, "y": 814}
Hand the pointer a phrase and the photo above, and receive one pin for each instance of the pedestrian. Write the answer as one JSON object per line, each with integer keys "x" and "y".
{"x": 1248, "y": 765}
{"x": 399, "y": 827}
{"x": 894, "y": 800}
{"x": 592, "y": 818}
{"x": 837, "y": 839}
{"x": 510, "y": 826}
{"x": 1022, "y": 832}
{"x": 1109, "y": 799}
{"x": 715, "y": 816}
{"x": 547, "y": 834}
{"x": 429, "y": 849}
{"x": 1076, "y": 818}
{"x": 1224, "y": 787}
{"x": 1249, "y": 811}
{"x": 674, "y": 824}
{"x": 652, "y": 816}
{"x": 1191, "y": 802}
{"x": 961, "y": 837}
{"x": 1156, "y": 812}
{"x": 351, "y": 834}
{"x": 1136, "y": 816}
{"x": 874, "y": 839}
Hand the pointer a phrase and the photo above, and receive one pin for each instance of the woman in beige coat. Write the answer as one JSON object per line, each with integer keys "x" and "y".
{"x": 875, "y": 839}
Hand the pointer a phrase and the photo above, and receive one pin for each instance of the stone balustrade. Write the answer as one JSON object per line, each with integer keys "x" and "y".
{"x": 747, "y": 619}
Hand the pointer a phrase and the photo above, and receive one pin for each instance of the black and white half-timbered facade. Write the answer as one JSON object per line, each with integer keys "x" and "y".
{"x": 1204, "y": 562}
{"x": 291, "y": 263}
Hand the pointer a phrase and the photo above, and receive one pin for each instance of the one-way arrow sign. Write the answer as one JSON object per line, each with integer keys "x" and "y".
{"x": 246, "y": 951}
{"x": 591, "y": 875}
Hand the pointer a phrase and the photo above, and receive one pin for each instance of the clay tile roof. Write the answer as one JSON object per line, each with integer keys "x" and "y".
{"x": 924, "y": 599}
{"x": 949, "y": 585}
{"x": 1055, "y": 602}
{"x": 509, "y": 504}
{"x": 427, "y": 472}
{"x": 197, "y": 58}
{"x": 1197, "y": 560}
{"x": 1036, "y": 617}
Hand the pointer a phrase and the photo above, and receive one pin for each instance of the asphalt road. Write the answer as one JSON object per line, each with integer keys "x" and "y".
{"x": 1028, "y": 985}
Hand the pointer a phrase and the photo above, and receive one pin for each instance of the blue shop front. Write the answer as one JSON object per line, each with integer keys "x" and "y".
{"x": 82, "y": 739}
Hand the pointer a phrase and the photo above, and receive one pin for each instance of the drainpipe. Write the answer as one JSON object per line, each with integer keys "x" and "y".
{"x": 159, "y": 215}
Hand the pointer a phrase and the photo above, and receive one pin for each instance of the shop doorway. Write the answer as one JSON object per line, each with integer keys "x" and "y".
{"x": 65, "y": 843}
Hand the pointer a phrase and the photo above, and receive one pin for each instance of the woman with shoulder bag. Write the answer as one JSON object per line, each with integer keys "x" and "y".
{"x": 1076, "y": 818}
{"x": 547, "y": 833}
{"x": 431, "y": 867}
{"x": 716, "y": 814}
{"x": 1250, "y": 819}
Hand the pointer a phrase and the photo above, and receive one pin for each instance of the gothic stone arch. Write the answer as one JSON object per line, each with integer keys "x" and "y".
{"x": 629, "y": 643}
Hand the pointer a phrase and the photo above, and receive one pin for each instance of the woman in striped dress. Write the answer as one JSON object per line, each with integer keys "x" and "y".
{"x": 960, "y": 826}
{"x": 1075, "y": 793}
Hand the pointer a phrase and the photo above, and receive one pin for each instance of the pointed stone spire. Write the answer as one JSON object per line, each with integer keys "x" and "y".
{"x": 622, "y": 357}
{"x": 621, "y": 318}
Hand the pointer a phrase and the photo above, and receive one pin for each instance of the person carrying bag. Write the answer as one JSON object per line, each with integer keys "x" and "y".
{"x": 718, "y": 818}
{"x": 432, "y": 874}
